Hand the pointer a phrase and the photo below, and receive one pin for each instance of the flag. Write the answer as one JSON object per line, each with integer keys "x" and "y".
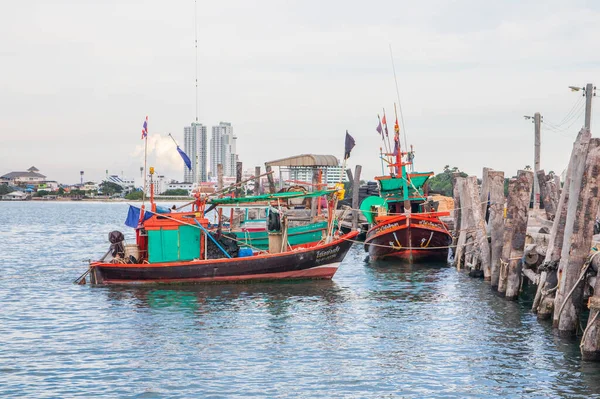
{"x": 133, "y": 216}
{"x": 185, "y": 158}
{"x": 396, "y": 145}
{"x": 384, "y": 121}
{"x": 379, "y": 128}
{"x": 397, "y": 126}
{"x": 349, "y": 145}
{"x": 145, "y": 129}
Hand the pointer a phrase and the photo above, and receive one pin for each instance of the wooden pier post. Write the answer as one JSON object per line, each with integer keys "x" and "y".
{"x": 460, "y": 224}
{"x": 268, "y": 169}
{"x": 257, "y": 180}
{"x": 579, "y": 227}
{"x": 547, "y": 194}
{"x": 496, "y": 222}
{"x": 480, "y": 233}
{"x": 519, "y": 209}
{"x": 485, "y": 191}
{"x": 506, "y": 239}
{"x": 456, "y": 212}
{"x": 355, "y": 197}
{"x": 544, "y": 297}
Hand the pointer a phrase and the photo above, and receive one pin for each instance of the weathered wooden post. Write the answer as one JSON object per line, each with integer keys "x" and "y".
{"x": 268, "y": 169}
{"x": 480, "y": 233}
{"x": 314, "y": 200}
{"x": 456, "y": 212}
{"x": 461, "y": 221}
{"x": 496, "y": 222}
{"x": 582, "y": 209}
{"x": 355, "y": 197}
{"x": 507, "y": 239}
{"x": 590, "y": 342}
{"x": 257, "y": 180}
{"x": 238, "y": 178}
{"x": 219, "y": 177}
{"x": 544, "y": 297}
{"x": 517, "y": 210}
{"x": 485, "y": 191}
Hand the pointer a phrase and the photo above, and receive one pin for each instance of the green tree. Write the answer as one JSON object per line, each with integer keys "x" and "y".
{"x": 61, "y": 191}
{"x": 5, "y": 189}
{"x": 442, "y": 182}
{"x": 110, "y": 188}
{"x": 176, "y": 192}
{"x": 135, "y": 195}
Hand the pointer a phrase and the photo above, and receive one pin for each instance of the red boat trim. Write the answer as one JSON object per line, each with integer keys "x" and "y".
{"x": 317, "y": 272}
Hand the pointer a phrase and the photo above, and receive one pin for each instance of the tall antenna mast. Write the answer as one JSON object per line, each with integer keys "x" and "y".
{"x": 398, "y": 95}
{"x": 196, "y": 45}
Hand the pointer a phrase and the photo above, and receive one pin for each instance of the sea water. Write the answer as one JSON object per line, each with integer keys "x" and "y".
{"x": 377, "y": 330}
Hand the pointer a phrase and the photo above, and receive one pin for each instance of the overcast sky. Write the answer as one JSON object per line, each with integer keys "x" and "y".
{"x": 79, "y": 77}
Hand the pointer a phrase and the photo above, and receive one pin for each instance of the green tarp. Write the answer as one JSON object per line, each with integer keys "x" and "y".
{"x": 268, "y": 197}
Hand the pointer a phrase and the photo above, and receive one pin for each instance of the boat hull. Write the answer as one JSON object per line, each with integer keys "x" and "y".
{"x": 411, "y": 238}
{"x": 312, "y": 262}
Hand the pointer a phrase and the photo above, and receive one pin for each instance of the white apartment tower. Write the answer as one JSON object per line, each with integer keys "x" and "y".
{"x": 223, "y": 149}
{"x": 194, "y": 141}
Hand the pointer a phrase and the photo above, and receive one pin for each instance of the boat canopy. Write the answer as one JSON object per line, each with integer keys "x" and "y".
{"x": 305, "y": 160}
{"x": 268, "y": 197}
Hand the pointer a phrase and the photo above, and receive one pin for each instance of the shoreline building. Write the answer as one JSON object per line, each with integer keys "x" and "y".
{"x": 223, "y": 149}
{"x": 194, "y": 141}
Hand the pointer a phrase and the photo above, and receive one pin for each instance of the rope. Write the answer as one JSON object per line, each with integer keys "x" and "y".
{"x": 590, "y": 323}
{"x": 584, "y": 268}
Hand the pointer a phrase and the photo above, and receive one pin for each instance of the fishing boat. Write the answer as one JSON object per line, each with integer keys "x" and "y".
{"x": 178, "y": 248}
{"x": 403, "y": 223}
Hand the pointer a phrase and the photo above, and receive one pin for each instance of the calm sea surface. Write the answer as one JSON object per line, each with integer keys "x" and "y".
{"x": 375, "y": 331}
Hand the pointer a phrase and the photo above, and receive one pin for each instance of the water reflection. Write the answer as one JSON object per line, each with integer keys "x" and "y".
{"x": 215, "y": 297}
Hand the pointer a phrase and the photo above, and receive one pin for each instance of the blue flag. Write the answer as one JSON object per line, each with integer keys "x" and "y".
{"x": 185, "y": 158}
{"x": 133, "y": 216}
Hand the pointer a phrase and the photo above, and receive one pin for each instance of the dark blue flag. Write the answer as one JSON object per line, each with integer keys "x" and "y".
{"x": 185, "y": 158}
{"x": 349, "y": 145}
{"x": 133, "y": 217}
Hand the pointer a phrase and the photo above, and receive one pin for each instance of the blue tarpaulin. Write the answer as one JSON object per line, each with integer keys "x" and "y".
{"x": 133, "y": 216}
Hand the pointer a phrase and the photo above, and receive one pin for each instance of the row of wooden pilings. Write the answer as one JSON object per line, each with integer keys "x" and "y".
{"x": 562, "y": 263}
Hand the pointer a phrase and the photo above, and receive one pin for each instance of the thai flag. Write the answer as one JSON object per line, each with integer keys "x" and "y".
{"x": 145, "y": 129}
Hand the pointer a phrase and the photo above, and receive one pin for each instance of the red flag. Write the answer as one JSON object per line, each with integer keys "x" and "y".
{"x": 383, "y": 120}
{"x": 396, "y": 126}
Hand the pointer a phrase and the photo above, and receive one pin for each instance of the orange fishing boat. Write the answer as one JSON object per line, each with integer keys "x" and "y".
{"x": 403, "y": 223}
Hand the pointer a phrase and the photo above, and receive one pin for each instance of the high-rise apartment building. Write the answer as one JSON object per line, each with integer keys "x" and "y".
{"x": 223, "y": 149}
{"x": 194, "y": 141}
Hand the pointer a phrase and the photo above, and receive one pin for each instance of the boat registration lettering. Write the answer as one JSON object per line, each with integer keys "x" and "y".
{"x": 430, "y": 224}
{"x": 327, "y": 254}
{"x": 386, "y": 227}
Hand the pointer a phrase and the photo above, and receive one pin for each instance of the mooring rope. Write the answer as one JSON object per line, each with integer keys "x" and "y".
{"x": 584, "y": 268}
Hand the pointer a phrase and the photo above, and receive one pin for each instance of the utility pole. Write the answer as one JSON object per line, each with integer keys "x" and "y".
{"x": 537, "y": 121}
{"x": 589, "y": 92}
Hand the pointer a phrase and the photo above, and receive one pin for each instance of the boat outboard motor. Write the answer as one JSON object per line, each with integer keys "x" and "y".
{"x": 116, "y": 238}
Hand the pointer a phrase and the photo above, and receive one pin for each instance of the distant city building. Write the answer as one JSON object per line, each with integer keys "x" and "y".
{"x": 331, "y": 175}
{"x": 223, "y": 149}
{"x": 31, "y": 177}
{"x": 127, "y": 184}
{"x": 194, "y": 141}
